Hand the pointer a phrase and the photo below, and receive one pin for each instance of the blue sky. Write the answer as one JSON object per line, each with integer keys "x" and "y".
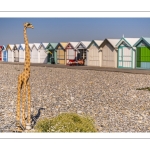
{"x": 72, "y": 29}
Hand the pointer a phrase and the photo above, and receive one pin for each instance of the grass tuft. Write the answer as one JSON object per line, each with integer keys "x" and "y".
{"x": 66, "y": 122}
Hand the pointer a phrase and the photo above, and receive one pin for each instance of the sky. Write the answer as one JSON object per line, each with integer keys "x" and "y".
{"x": 48, "y": 30}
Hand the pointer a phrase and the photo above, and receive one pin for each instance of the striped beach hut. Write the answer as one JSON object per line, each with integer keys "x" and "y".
{"x": 1, "y": 53}
{"x": 81, "y": 48}
{"x": 9, "y": 48}
{"x": 51, "y": 50}
{"x": 4, "y": 54}
{"x": 35, "y": 58}
{"x": 126, "y": 52}
{"x": 109, "y": 53}
{"x": 71, "y": 53}
{"x": 94, "y": 55}
{"x": 143, "y": 53}
{"x": 61, "y": 52}
{"x": 43, "y": 52}
{"x": 16, "y": 52}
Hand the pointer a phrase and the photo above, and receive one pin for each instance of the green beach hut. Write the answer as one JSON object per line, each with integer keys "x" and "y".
{"x": 52, "y": 56}
{"x": 143, "y": 53}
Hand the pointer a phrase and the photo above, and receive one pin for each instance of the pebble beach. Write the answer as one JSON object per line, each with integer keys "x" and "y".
{"x": 110, "y": 98}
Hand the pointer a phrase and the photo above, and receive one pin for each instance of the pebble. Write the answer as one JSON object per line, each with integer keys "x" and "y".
{"x": 110, "y": 98}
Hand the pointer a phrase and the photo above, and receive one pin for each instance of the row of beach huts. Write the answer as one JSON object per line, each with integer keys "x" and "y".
{"x": 115, "y": 53}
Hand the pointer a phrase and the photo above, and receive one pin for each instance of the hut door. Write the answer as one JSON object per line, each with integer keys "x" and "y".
{"x": 4, "y": 55}
{"x": 143, "y": 57}
{"x": 16, "y": 56}
{"x": 60, "y": 56}
{"x": 70, "y": 54}
{"x": 0, "y": 55}
{"x": 10, "y": 59}
{"x": 120, "y": 59}
{"x": 21, "y": 56}
{"x": 82, "y": 54}
{"x": 34, "y": 57}
{"x": 108, "y": 56}
{"x": 125, "y": 57}
{"x": 50, "y": 58}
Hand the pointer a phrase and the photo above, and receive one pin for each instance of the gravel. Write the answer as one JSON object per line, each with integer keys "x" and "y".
{"x": 110, "y": 98}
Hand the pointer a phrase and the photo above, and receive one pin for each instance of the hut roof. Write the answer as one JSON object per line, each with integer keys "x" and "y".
{"x": 54, "y": 45}
{"x": 113, "y": 42}
{"x": 84, "y": 43}
{"x": 128, "y": 41}
{"x": 63, "y": 44}
{"x": 36, "y": 45}
{"x": 45, "y": 44}
{"x": 10, "y": 46}
{"x": 145, "y": 39}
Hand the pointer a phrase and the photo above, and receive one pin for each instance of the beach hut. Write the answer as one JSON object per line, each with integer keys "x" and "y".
{"x": 109, "y": 53}
{"x": 9, "y": 48}
{"x": 142, "y": 53}
{"x": 21, "y": 49}
{"x": 16, "y": 52}
{"x": 4, "y": 54}
{"x": 35, "y": 58}
{"x": 1, "y": 53}
{"x": 126, "y": 52}
{"x": 81, "y": 48}
{"x": 94, "y": 55}
{"x": 51, "y": 50}
{"x": 43, "y": 52}
{"x": 71, "y": 53}
{"x": 61, "y": 52}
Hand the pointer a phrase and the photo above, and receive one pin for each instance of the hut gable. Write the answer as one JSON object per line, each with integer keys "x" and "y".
{"x": 127, "y": 42}
{"x": 21, "y": 47}
{"x": 71, "y": 45}
{"x": 83, "y": 45}
{"x": 96, "y": 43}
{"x": 36, "y": 45}
{"x": 16, "y": 46}
{"x": 143, "y": 41}
{"x": 64, "y": 44}
{"x": 30, "y": 45}
{"x": 112, "y": 42}
{"x": 44, "y": 45}
{"x": 51, "y": 46}
{"x": 3, "y": 48}
{"x": 74, "y": 44}
{"x": 80, "y": 46}
{"x": 59, "y": 46}
{"x": 9, "y": 47}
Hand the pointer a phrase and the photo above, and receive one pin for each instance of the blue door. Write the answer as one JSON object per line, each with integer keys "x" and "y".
{"x": 5, "y": 55}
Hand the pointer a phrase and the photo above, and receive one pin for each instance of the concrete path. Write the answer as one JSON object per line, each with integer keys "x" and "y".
{"x": 133, "y": 71}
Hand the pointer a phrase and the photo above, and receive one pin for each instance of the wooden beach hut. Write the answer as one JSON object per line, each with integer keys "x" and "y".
{"x": 94, "y": 55}
{"x": 4, "y": 54}
{"x": 51, "y": 50}
{"x": 9, "y": 48}
{"x": 126, "y": 52}
{"x": 142, "y": 53}
{"x": 81, "y": 48}
{"x": 71, "y": 53}
{"x": 16, "y": 52}
{"x": 35, "y": 58}
{"x": 109, "y": 53}
{"x": 61, "y": 52}
{"x": 43, "y": 52}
